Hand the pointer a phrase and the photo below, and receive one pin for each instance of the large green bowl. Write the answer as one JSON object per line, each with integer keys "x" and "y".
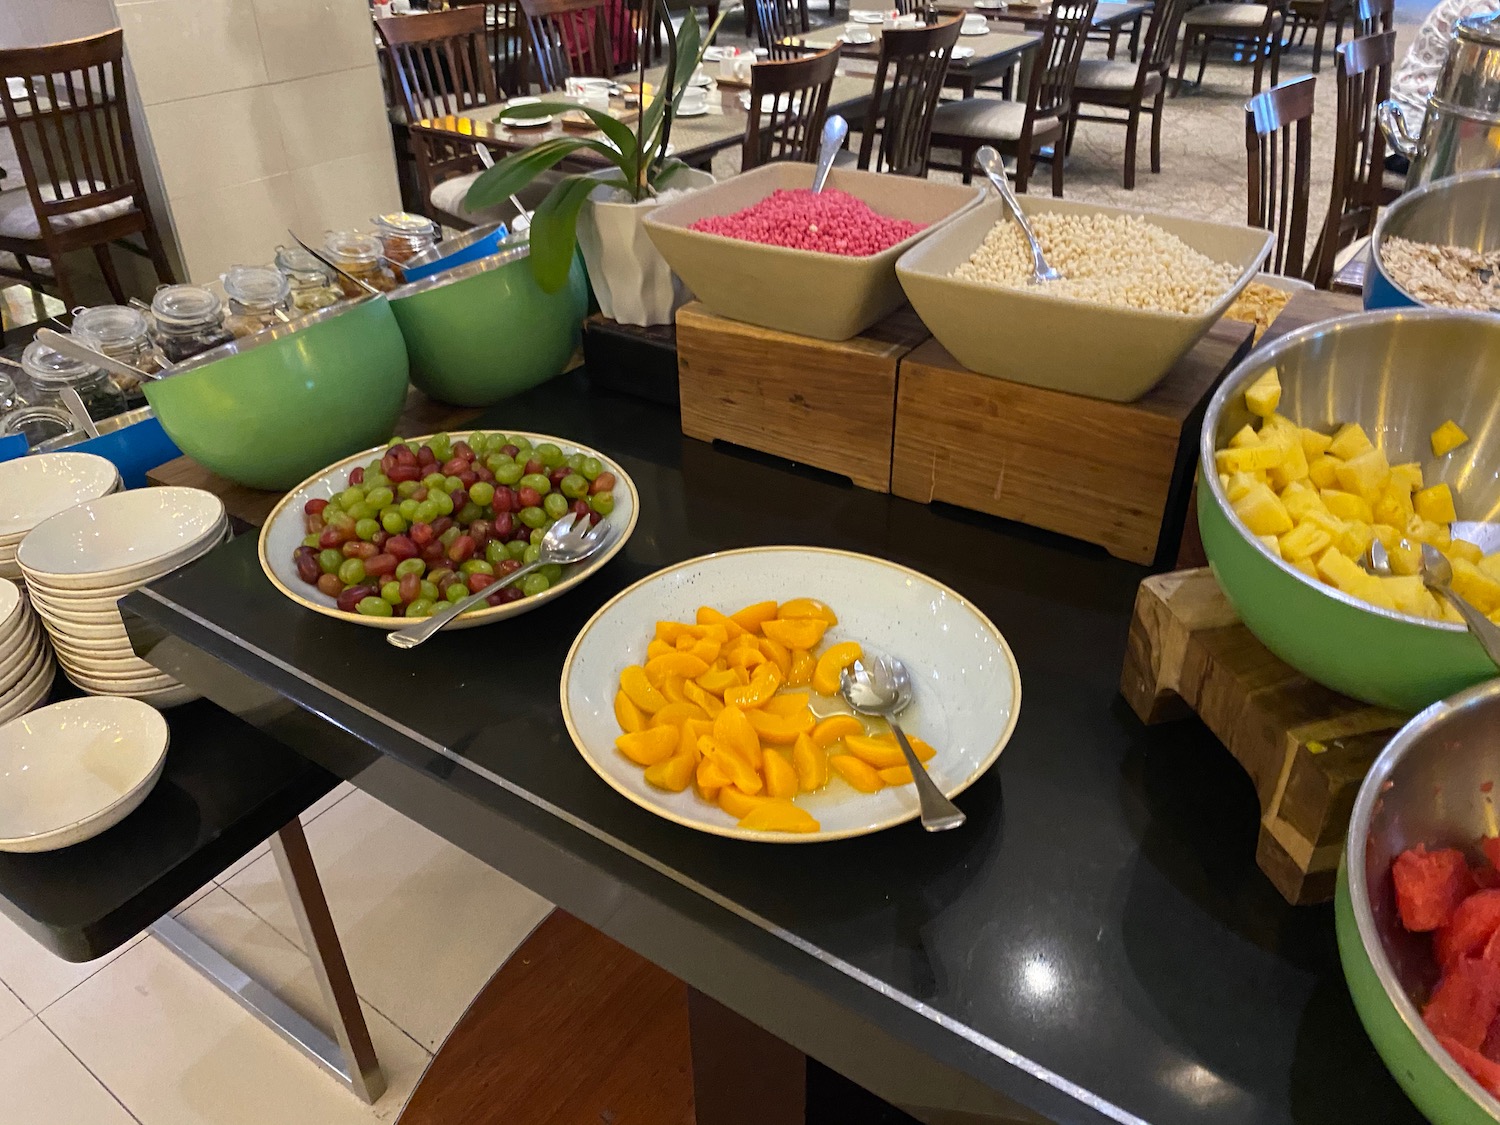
{"x": 270, "y": 409}
{"x": 485, "y": 331}
{"x": 1400, "y": 373}
{"x": 1426, "y": 787}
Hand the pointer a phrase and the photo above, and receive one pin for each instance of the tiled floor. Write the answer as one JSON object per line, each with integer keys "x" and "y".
{"x": 140, "y": 1037}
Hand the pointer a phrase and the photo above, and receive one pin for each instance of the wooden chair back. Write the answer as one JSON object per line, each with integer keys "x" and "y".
{"x": 502, "y": 25}
{"x": 440, "y": 61}
{"x": 626, "y": 21}
{"x": 71, "y": 127}
{"x": 1056, "y": 65}
{"x": 909, "y": 77}
{"x": 1278, "y": 155}
{"x": 567, "y": 39}
{"x": 1363, "y": 69}
{"x": 1159, "y": 44}
{"x": 775, "y": 22}
{"x": 792, "y": 127}
{"x": 1373, "y": 16}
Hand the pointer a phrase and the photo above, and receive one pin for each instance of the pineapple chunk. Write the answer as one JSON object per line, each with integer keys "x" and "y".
{"x": 1447, "y": 437}
{"x": 1355, "y": 539}
{"x": 1293, "y": 465}
{"x": 1262, "y": 512}
{"x": 1365, "y": 475}
{"x": 1299, "y": 500}
{"x": 1264, "y": 395}
{"x": 1373, "y": 590}
{"x": 1308, "y": 567}
{"x": 1324, "y": 471}
{"x": 1408, "y": 475}
{"x": 1272, "y": 544}
{"x": 1425, "y": 531}
{"x": 1347, "y": 506}
{"x": 1435, "y": 504}
{"x": 1350, "y": 441}
{"x": 1472, "y": 583}
{"x": 1490, "y": 564}
{"x": 1394, "y": 506}
{"x": 1245, "y": 438}
{"x": 1237, "y": 484}
{"x": 1405, "y": 556}
{"x": 1338, "y": 569}
{"x": 1314, "y": 444}
{"x": 1409, "y": 595}
{"x": 1463, "y": 549}
{"x": 1304, "y": 541}
{"x": 1247, "y": 459}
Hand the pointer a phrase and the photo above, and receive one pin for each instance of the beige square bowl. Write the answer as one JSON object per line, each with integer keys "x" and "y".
{"x": 1062, "y": 343}
{"x": 828, "y": 296}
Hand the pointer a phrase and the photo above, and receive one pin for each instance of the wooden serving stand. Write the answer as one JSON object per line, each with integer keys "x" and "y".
{"x": 1112, "y": 473}
{"x": 1305, "y": 747}
{"x": 828, "y": 404}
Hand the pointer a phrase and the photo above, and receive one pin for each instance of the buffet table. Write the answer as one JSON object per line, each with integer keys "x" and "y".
{"x": 1095, "y": 945}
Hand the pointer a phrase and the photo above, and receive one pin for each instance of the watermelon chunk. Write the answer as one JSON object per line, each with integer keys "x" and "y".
{"x": 1490, "y": 846}
{"x": 1481, "y": 1069}
{"x": 1429, "y": 886}
{"x": 1470, "y": 929}
{"x": 1465, "y": 1002}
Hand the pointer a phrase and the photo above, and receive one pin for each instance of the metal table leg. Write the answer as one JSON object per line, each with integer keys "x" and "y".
{"x": 348, "y": 1055}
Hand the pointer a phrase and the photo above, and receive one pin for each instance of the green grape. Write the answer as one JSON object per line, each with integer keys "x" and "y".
{"x": 406, "y": 488}
{"x": 421, "y": 607}
{"x": 452, "y": 484}
{"x": 447, "y": 537}
{"x": 531, "y": 585}
{"x": 366, "y": 529}
{"x": 426, "y": 512}
{"x": 515, "y": 548}
{"x": 330, "y": 560}
{"x": 393, "y": 522}
{"x": 361, "y": 511}
{"x": 456, "y": 592}
{"x": 377, "y": 607}
{"x": 532, "y": 517}
{"x": 549, "y": 455}
{"x": 378, "y": 498}
{"x": 533, "y": 552}
{"x": 391, "y": 592}
{"x": 442, "y": 446}
{"x": 478, "y": 442}
{"x": 509, "y": 473}
{"x": 410, "y": 566}
{"x": 310, "y": 540}
{"x": 482, "y": 493}
{"x": 444, "y": 502}
{"x": 433, "y": 481}
{"x": 408, "y": 509}
{"x": 574, "y": 486}
{"x": 497, "y": 461}
{"x": 521, "y": 443}
{"x": 494, "y": 552}
{"x": 555, "y": 504}
{"x": 552, "y": 571}
{"x": 351, "y": 572}
{"x": 538, "y": 534}
{"x": 590, "y": 468}
{"x": 376, "y": 479}
{"x": 469, "y": 513}
{"x": 430, "y": 591}
{"x": 602, "y": 502}
{"x": 575, "y": 461}
{"x": 537, "y": 481}
{"x": 351, "y": 496}
{"x": 476, "y": 566}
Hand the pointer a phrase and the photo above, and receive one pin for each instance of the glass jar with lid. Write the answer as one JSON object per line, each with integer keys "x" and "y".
{"x": 259, "y": 297}
{"x": 122, "y": 333}
{"x": 51, "y": 372}
{"x": 189, "y": 319}
{"x": 403, "y": 236}
{"x": 359, "y": 255}
{"x": 314, "y": 286}
{"x": 37, "y": 423}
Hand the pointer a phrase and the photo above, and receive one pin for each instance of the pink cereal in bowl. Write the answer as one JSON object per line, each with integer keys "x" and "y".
{"x": 831, "y": 222}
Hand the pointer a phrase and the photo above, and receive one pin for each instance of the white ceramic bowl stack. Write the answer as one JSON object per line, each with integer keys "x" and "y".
{"x": 37, "y": 487}
{"x": 26, "y": 667}
{"x": 81, "y": 562}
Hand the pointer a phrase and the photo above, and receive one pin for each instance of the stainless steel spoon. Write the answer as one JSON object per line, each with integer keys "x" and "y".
{"x": 835, "y": 129}
{"x": 569, "y": 540}
{"x": 78, "y": 411}
{"x": 72, "y": 347}
{"x": 993, "y": 167}
{"x": 1437, "y": 575}
{"x": 880, "y": 685}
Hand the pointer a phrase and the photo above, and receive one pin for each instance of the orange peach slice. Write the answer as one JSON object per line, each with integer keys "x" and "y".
{"x": 779, "y": 816}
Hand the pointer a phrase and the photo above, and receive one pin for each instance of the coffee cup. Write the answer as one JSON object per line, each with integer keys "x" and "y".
{"x": 975, "y": 25}
{"x": 857, "y": 33}
{"x": 582, "y": 87}
{"x": 694, "y": 100}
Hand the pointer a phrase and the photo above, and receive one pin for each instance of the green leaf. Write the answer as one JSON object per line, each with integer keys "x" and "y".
{"x": 496, "y": 185}
{"x": 614, "y": 129}
{"x": 685, "y": 58}
{"x": 534, "y": 109}
{"x": 554, "y": 231}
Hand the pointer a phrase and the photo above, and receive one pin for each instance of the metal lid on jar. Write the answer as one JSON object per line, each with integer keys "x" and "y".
{"x": 49, "y": 369}
{"x": 404, "y": 222}
{"x": 183, "y": 306}
{"x": 259, "y": 287}
{"x": 352, "y": 246}
{"x": 107, "y": 326}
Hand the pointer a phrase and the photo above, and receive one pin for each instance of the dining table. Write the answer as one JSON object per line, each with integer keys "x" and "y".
{"x": 1095, "y": 945}
{"x": 1112, "y": 18}
{"x": 995, "y": 54}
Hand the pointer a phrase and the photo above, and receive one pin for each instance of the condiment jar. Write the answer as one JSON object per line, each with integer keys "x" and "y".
{"x": 359, "y": 255}
{"x": 37, "y": 424}
{"x": 313, "y": 284}
{"x": 403, "y": 236}
{"x": 189, "y": 319}
{"x": 122, "y": 333}
{"x": 259, "y": 297}
{"x": 51, "y": 372}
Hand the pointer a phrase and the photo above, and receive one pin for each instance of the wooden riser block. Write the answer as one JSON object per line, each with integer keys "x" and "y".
{"x": 1305, "y": 748}
{"x": 1115, "y": 474}
{"x": 831, "y": 405}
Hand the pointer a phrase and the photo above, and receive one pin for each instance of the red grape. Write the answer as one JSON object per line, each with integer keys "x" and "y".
{"x": 403, "y": 473}
{"x": 453, "y": 466}
{"x": 535, "y": 466}
{"x": 594, "y": 518}
{"x": 331, "y": 537}
{"x": 411, "y": 587}
{"x": 354, "y": 595}
{"x": 329, "y": 584}
{"x": 389, "y": 463}
{"x": 528, "y": 498}
{"x": 378, "y": 566}
{"x": 501, "y": 528}
{"x": 468, "y": 476}
{"x": 463, "y": 449}
{"x": 442, "y": 577}
{"x": 522, "y": 534}
{"x": 421, "y": 534}
{"x": 509, "y": 594}
{"x": 604, "y": 482}
{"x": 581, "y": 509}
{"x": 460, "y": 497}
{"x": 478, "y": 582}
{"x": 359, "y": 549}
{"x": 315, "y": 507}
{"x": 425, "y": 456}
{"x": 461, "y": 548}
{"x": 441, "y": 524}
{"x": 420, "y": 494}
{"x": 509, "y": 566}
{"x": 379, "y": 538}
{"x": 510, "y": 450}
{"x": 307, "y": 564}
{"x": 504, "y": 500}
{"x": 315, "y": 525}
{"x": 357, "y": 476}
{"x": 402, "y": 547}
{"x": 433, "y": 552}
{"x": 557, "y": 475}
{"x": 482, "y": 473}
{"x": 481, "y": 530}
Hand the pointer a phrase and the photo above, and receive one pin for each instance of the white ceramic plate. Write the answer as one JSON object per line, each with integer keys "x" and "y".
{"x": 990, "y": 5}
{"x": 38, "y": 487}
{"x": 963, "y": 52}
{"x": 693, "y": 112}
{"x": 968, "y": 689}
{"x": 283, "y": 533}
{"x": 866, "y": 17}
{"x": 122, "y": 538}
{"x": 71, "y": 770}
{"x": 974, "y": 31}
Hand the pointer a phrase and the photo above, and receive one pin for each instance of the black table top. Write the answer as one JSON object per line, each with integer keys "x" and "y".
{"x": 1096, "y": 944}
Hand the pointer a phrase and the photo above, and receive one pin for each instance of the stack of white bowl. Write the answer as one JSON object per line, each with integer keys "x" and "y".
{"x": 26, "y": 667}
{"x": 80, "y": 562}
{"x": 34, "y": 488}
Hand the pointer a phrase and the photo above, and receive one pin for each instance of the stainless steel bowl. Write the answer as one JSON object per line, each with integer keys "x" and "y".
{"x": 1460, "y": 211}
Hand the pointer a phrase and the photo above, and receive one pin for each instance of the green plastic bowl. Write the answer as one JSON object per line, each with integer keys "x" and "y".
{"x": 485, "y": 331}
{"x": 1424, "y": 788}
{"x": 1399, "y": 373}
{"x": 269, "y": 410}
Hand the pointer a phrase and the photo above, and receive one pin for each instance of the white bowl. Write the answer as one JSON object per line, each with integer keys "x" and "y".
{"x": 32, "y": 689}
{"x": 123, "y": 537}
{"x": 20, "y": 654}
{"x": 71, "y": 770}
{"x": 54, "y": 618}
{"x": 167, "y": 697}
{"x": 285, "y": 528}
{"x": 104, "y": 633}
{"x": 38, "y": 487}
{"x": 10, "y": 606}
{"x": 968, "y": 689}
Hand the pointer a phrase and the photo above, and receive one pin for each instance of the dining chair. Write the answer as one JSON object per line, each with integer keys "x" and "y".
{"x": 68, "y": 118}
{"x": 567, "y": 39}
{"x": 1373, "y": 16}
{"x": 908, "y": 79}
{"x": 1278, "y": 156}
{"x": 1134, "y": 87}
{"x": 777, "y": 22}
{"x": 506, "y": 44}
{"x": 1363, "y": 67}
{"x": 1021, "y": 129}
{"x": 441, "y": 67}
{"x": 788, "y": 102}
{"x": 1249, "y": 28}
{"x": 1315, "y": 15}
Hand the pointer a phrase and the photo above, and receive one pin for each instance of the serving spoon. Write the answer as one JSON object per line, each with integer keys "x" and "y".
{"x": 993, "y": 167}
{"x": 73, "y": 348}
{"x": 880, "y": 685}
{"x": 1437, "y": 576}
{"x": 835, "y": 129}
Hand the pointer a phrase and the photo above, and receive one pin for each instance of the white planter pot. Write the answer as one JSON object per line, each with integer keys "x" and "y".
{"x": 632, "y": 280}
